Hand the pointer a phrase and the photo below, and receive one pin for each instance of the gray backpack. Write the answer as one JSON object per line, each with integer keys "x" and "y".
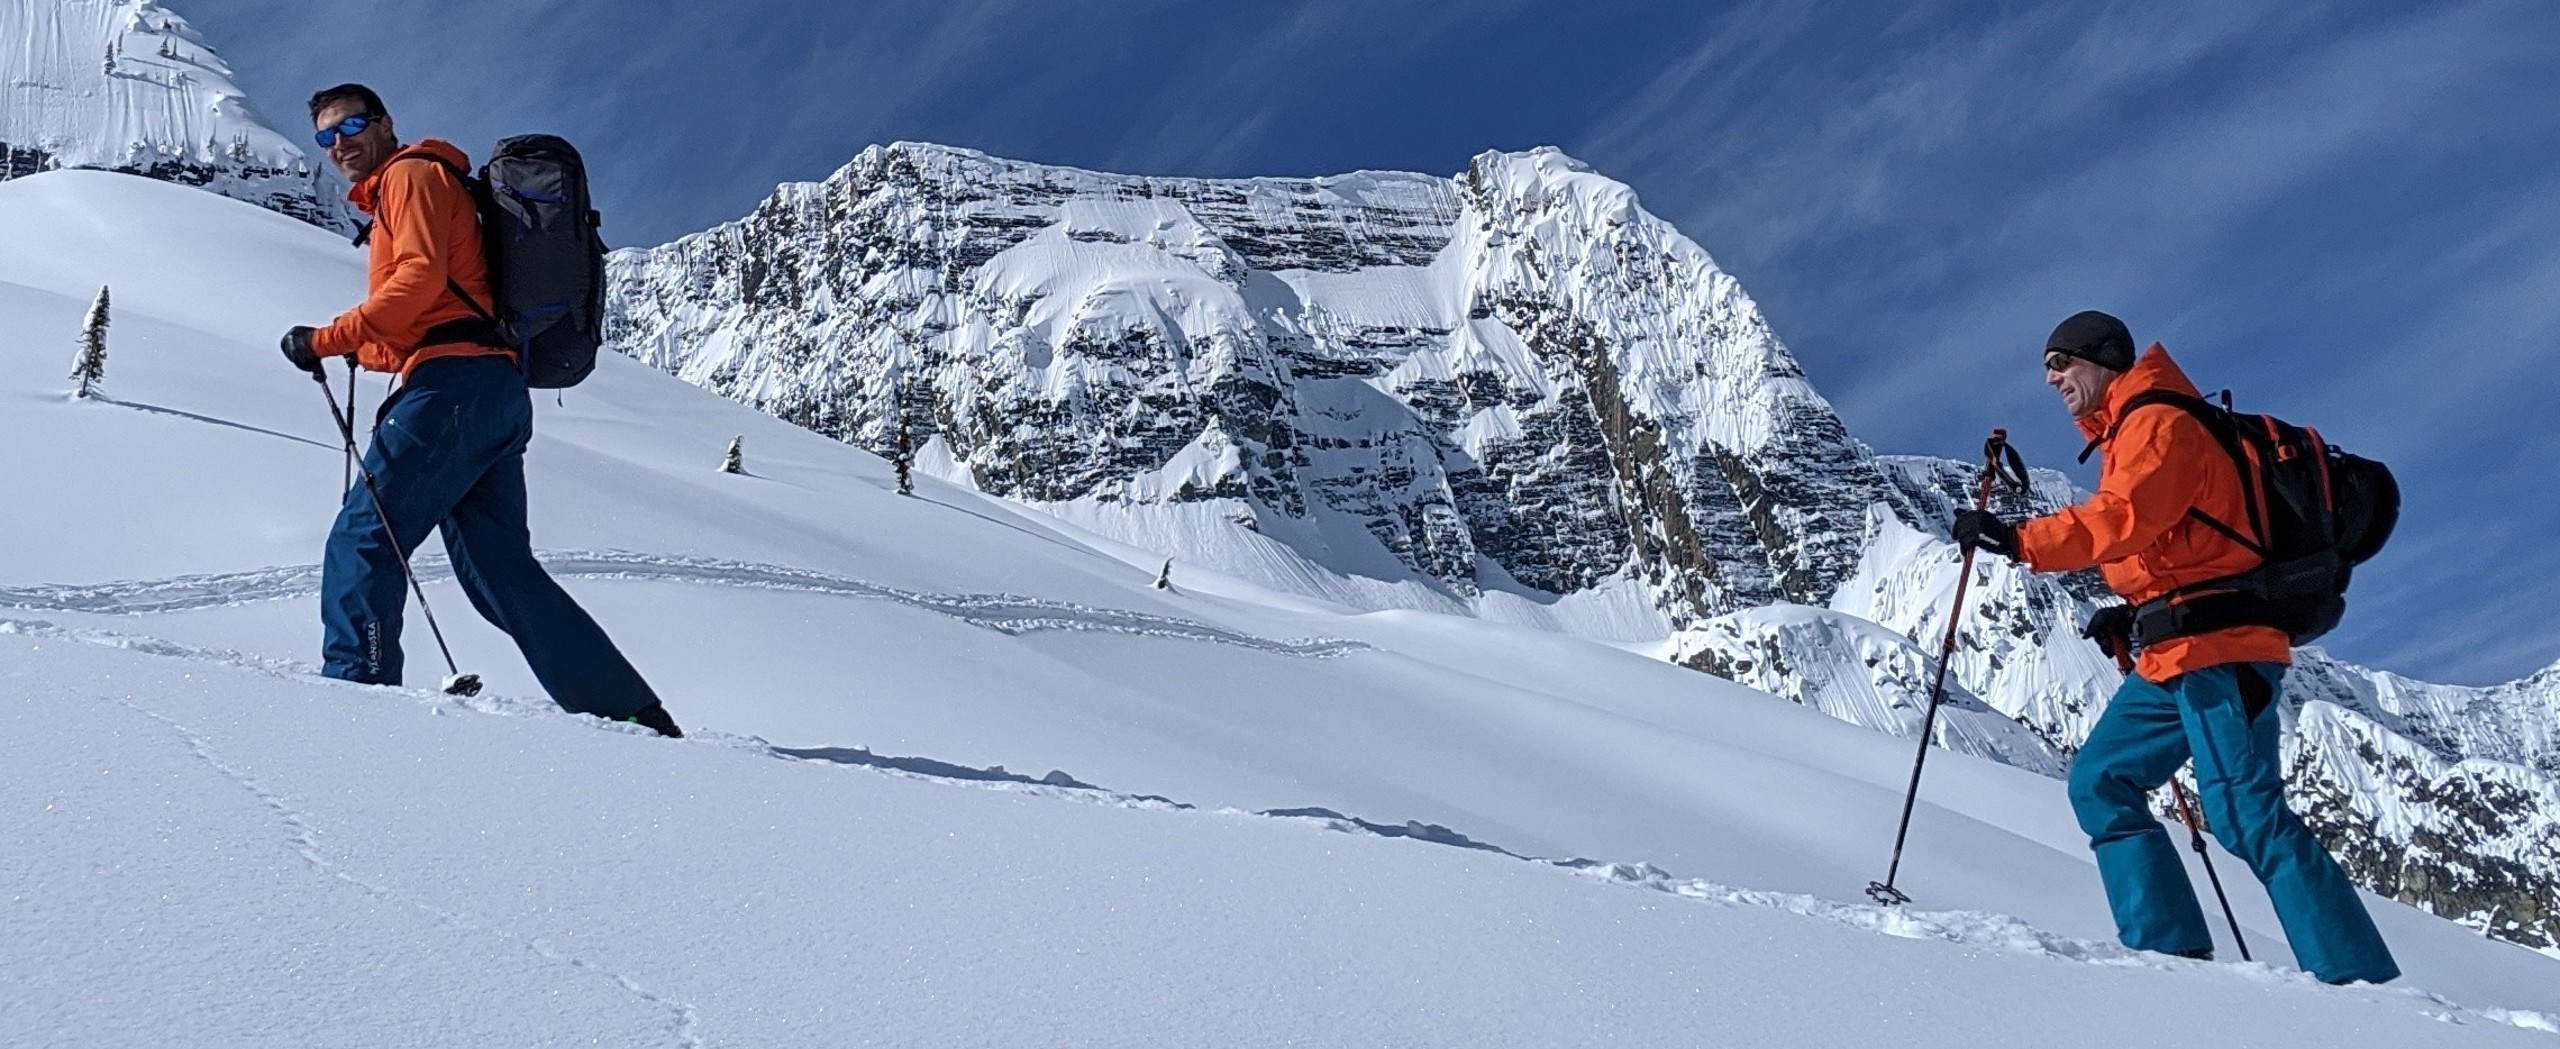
{"x": 546, "y": 261}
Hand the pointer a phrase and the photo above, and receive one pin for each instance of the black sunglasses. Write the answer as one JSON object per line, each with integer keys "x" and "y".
{"x": 348, "y": 128}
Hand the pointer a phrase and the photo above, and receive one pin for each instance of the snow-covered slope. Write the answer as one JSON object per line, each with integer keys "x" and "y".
{"x": 128, "y": 85}
{"x": 205, "y": 854}
{"x": 266, "y": 858}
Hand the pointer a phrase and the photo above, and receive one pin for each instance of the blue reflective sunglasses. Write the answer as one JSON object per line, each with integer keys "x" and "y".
{"x": 348, "y": 128}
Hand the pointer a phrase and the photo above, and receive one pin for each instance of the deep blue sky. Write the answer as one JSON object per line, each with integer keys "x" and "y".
{"x": 2350, "y": 212}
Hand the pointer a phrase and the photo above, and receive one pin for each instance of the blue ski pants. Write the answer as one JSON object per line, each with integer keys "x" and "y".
{"x": 2225, "y": 717}
{"x": 448, "y": 454}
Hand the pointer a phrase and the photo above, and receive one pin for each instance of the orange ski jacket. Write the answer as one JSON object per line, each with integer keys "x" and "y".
{"x": 2159, "y": 463}
{"x": 426, "y": 232}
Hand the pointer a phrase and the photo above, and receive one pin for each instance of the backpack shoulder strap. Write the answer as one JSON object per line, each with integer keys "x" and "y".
{"x": 2217, "y": 422}
{"x": 460, "y": 174}
{"x": 463, "y": 176}
{"x": 2203, "y": 410}
{"x": 364, "y": 231}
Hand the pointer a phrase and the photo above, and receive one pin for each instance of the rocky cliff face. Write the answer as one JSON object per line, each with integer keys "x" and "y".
{"x": 1511, "y": 393}
{"x": 127, "y": 85}
{"x": 1514, "y": 380}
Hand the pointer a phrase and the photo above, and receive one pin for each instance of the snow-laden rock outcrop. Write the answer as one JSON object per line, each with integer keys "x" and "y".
{"x": 2474, "y": 840}
{"x": 1513, "y": 382}
{"x": 1862, "y": 673}
{"x": 128, "y": 85}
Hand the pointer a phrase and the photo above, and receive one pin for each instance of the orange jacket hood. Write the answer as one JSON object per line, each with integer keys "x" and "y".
{"x": 2151, "y": 371}
{"x": 365, "y": 190}
{"x": 2159, "y": 464}
{"x": 424, "y": 243}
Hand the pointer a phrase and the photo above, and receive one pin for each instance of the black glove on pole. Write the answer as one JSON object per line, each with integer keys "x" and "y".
{"x": 297, "y": 349}
{"x": 2111, "y": 629}
{"x": 1993, "y": 472}
{"x": 1980, "y": 530}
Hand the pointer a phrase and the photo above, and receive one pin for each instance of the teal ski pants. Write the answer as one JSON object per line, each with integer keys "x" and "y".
{"x": 2225, "y": 718}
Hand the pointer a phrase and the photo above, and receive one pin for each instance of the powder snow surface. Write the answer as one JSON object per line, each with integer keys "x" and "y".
{"x": 960, "y": 775}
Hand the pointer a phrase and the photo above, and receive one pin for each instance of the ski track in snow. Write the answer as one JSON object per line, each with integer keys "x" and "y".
{"x": 306, "y": 841}
{"x": 1981, "y": 929}
{"x": 1004, "y": 613}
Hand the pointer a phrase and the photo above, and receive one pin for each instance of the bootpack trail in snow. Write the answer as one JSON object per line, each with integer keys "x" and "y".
{"x": 1003, "y": 613}
{"x": 305, "y": 839}
{"x": 1971, "y": 928}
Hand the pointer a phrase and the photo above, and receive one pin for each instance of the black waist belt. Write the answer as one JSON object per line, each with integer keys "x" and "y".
{"x": 472, "y": 330}
{"x": 2302, "y": 597}
{"x": 2196, "y": 610}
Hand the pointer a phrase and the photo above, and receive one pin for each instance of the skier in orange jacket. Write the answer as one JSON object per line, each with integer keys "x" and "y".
{"x": 2209, "y": 695}
{"x": 448, "y": 453}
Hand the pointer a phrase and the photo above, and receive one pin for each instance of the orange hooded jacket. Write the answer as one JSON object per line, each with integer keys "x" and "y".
{"x": 426, "y": 231}
{"x": 2159, "y": 463}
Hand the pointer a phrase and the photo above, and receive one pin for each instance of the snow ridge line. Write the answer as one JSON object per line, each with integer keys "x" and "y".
{"x": 305, "y": 840}
{"x": 1971, "y": 928}
{"x": 1008, "y": 614}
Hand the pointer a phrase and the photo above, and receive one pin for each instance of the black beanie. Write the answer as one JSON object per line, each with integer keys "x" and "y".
{"x": 2095, "y": 337}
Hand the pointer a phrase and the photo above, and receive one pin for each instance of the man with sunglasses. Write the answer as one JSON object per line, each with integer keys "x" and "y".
{"x": 2209, "y": 695}
{"x": 448, "y": 447}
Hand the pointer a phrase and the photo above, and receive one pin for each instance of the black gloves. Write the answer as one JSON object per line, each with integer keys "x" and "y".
{"x": 2112, "y": 629}
{"x": 1977, "y": 528}
{"x": 297, "y": 348}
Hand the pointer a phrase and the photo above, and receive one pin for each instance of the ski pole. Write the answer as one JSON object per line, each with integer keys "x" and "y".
{"x": 2118, "y": 647}
{"x": 347, "y": 476}
{"x": 456, "y": 683}
{"x": 2195, "y": 838}
{"x": 1993, "y": 450}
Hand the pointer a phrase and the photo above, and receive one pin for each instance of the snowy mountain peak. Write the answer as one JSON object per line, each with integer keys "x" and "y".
{"x": 1544, "y": 161}
{"x": 128, "y": 85}
{"x": 1513, "y": 382}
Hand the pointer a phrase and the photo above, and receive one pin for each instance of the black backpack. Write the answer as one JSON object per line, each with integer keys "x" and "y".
{"x": 546, "y": 261}
{"x": 2315, "y": 513}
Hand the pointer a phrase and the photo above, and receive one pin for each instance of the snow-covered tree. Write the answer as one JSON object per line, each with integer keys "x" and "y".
{"x": 905, "y": 458}
{"x": 736, "y": 461}
{"x": 91, "y": 366}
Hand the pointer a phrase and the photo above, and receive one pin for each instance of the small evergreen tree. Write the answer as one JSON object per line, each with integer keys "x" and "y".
{"x": 905, "y": 458}
{"x": 736, "y": 461}
{"x": 91, "y": 366}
